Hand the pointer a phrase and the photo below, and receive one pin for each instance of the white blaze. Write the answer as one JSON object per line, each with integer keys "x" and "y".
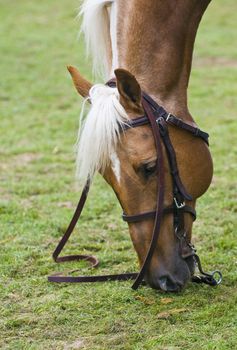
{"x": 116, "y": 166}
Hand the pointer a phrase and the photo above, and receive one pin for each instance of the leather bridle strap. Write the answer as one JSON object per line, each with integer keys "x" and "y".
{"x": 151, "y": 214}
{"x": 160, "y": 194}
{"x": 59, "y": 277}
{"x": 69, "y": 231}
{"x": 171, "y": 119}
{"x": 160, "y": 112}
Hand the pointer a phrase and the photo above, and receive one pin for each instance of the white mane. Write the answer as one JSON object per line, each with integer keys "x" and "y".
{"x": 99, "y": 28}
{"x": 100, "y": 131}
{"x": 101, "y": 128}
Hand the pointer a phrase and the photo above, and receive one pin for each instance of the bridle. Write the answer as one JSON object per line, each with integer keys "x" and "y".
{"x": 159, "y": 120}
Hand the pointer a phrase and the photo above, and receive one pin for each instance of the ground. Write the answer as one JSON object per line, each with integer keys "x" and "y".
{"x": 39, "y": 119}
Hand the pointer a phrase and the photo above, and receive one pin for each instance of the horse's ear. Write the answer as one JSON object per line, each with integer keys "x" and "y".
{"x": 129, "y": 90}
{"x": 81, "y": 84}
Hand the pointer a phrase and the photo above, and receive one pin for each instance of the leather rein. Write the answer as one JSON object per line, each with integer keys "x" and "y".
{"x": 159, "y": 119}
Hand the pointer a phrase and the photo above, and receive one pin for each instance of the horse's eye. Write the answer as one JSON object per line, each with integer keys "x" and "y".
{"x": 149, "y": 169}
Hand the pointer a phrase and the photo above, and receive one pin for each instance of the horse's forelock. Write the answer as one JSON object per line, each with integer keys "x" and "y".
{"x": 100, "y": 131}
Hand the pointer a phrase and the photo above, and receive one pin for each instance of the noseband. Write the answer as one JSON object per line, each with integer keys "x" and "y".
{"x": 159, "y": 120}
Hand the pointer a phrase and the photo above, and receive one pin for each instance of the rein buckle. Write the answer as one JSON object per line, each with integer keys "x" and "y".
{"x": 217, "y": 276}
{"x": 179, "y": 205}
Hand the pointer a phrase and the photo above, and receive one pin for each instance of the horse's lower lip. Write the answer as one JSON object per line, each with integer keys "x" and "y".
{"x": 166, "y": 284}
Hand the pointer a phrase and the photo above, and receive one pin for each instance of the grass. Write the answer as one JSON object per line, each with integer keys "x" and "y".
{"x": 39, "y": 117}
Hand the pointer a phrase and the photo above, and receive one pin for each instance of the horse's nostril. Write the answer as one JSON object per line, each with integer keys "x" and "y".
{"x": 168, "y": 285}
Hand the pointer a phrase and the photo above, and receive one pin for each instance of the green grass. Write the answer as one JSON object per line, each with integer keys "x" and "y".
{"x": 39, "y": 118}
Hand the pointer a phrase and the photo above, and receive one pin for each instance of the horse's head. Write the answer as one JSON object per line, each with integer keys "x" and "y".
{"x": 128, "y": 162}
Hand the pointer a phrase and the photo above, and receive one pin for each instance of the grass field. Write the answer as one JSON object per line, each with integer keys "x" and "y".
{"x": 39, "y": 119}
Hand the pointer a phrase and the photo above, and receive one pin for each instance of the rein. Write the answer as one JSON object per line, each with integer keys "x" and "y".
{"x": 157, "y": 117}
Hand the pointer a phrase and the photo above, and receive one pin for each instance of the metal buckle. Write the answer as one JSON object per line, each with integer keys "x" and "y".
{"x": 192, "y": 247}
{"x": 179, "y": 206}
{"x": 197, "y": 131}
{"x": 168, "y": 116}
{"x": 159, "y": 119}
{"x": 219, "y": 276}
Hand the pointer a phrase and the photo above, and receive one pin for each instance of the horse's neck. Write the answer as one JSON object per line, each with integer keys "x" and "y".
{"x": 155, "y": 41}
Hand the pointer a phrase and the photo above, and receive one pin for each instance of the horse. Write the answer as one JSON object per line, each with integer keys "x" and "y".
{"x": 144, "y": 48}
